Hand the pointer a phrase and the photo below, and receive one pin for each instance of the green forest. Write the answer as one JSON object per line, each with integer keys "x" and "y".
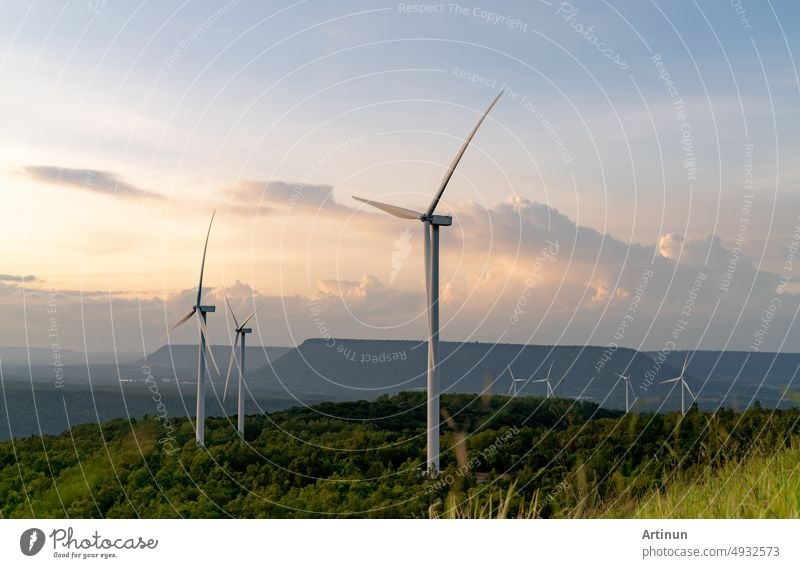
{"x": 502, "y": 457}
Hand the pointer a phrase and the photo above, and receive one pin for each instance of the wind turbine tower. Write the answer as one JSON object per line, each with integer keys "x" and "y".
{"x": 684, "y": 385}
{"x": 199, "y": 312}
{"x": 628, "y": 391}
{"x": 241, "y": 334}
{"x": 512, "y": 389}
{"x": 432, "y": 222}
{"x": 546, "y": 380}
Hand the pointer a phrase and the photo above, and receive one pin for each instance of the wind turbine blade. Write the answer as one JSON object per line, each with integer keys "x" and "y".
{"x": 233, "y": 315}
{"x": 454, "y": 163}
{"x": 689, "y": 390}
{"x": 247, "y": 319}
{"x": 685, "y": 364}
{"x": 182, "y": 320}
{"x": 675, "y": 380}
{"x": 203, "y": 264}
{"x": 510, "y": 388}
{"x": 401, "y": 212}
{"x": 230, "y": 366}
{"x": 550, "y": 369}
{"x": 204, "y": 332}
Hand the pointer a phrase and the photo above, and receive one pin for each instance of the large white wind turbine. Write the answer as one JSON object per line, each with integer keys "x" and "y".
{"x": 241, "y": 333}
{"x": 199, "y": 312}
{"x": 684, "y": 385}
{"x": 546, "y": 380}
{"x": 512, "y": 389}
{"x": 432, "y": 223}
{"x": 628, "y": 391}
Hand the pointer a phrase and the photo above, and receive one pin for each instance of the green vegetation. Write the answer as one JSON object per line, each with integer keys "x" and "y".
{"x": 762, "y": 486}
{"x": 523, "y": 457}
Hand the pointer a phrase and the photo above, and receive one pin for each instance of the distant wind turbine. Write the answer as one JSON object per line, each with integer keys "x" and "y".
{"x": 628, "y": 391}
{"x": 199, "y": 312}
{"x": 512, "y": 389}
{"x": 684, "y": 385}
{"x": 241, "y": 333}
{"x": 432, "y": 223}
{"x": 546, "y": 380}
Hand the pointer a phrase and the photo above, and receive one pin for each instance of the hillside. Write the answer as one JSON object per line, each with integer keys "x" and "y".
{"x": 357, "y": 368}
{"x": 182, "y": 356}
{"x": 556, "y": 458}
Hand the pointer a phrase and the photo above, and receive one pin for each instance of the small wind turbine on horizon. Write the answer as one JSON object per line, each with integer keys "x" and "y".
{"x": 546, "y": 380}
{"x": 628, "y": 391}
{"x": 512, "y": 389}
{"x": 199, "y": 312}
{"x": 241, "y": 333}
{"x": 684, "y": 385}
{"x": 432, "y": 223}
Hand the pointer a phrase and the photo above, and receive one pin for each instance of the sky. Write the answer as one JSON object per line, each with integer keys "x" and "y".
{"x": 637, "y": 177}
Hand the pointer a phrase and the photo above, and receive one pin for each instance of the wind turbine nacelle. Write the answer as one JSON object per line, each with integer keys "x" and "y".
{"x": 207, "y": 309}
{"x": 442, "y": 220}
{"x": 246, "y": 330}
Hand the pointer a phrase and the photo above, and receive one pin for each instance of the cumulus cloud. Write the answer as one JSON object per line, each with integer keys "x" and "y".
{"x": 669, "y": 245}
{"x": 517, "y": 271}
{"x": 16, "y": 278}
{"x": 94, "y": 181}
{"x": 265, "y": 197}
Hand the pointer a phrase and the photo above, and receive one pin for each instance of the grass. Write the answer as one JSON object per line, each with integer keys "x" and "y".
{"x": 765, "y": 485}
{"x": 762, "y": 486}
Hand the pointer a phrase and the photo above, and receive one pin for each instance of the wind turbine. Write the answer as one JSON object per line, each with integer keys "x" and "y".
{"x": 199, "y": 312}
{"x": 512, "y": 389}
{"x": 628, "y": 390}
{"x": 432, "y": 223}
{"x": 546, "y": 380}
{"x": 684, "y": 385}
{"x": 241, "y": 333}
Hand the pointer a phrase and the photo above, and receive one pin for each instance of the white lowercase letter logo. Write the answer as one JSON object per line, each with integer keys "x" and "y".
{"x": 31, "y": 542}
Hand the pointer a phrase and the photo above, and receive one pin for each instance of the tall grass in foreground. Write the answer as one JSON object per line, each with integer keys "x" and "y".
{"x": 762, "y": 486}
{"x": 493, "y": 505}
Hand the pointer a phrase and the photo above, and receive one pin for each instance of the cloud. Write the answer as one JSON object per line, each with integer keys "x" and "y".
{"x": 669, "y": 245}
{"x": 265, "y": 197}
{"x": 94, "y": 181}
{"x": 17, "y": 278}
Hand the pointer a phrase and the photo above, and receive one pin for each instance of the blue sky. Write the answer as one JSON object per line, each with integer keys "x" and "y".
{"x": 196, "y": 104}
